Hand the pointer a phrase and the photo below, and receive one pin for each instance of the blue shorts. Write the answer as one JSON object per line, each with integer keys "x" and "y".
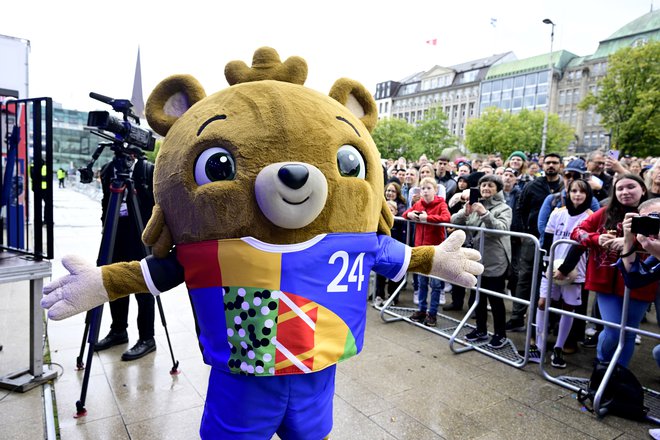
{"x": 240, "y": 407}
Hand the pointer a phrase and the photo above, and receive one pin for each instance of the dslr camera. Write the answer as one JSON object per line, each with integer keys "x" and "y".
{"x": 646, "y": 225}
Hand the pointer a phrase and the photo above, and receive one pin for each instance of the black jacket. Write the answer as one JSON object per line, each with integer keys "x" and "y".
{"x": 530, "y": 202}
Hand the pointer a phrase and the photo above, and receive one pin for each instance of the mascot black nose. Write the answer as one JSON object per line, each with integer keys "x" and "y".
{"x": 293, "y": 176}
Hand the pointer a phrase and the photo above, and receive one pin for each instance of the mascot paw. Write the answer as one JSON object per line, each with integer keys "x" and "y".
{"x": 77, "y": 292}
{"x": 456, "y": 264}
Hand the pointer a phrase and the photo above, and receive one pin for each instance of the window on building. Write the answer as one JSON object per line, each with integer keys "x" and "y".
{"x": 543, "y": 77}
{"x": 519, "y": 82}
{"x": 517, "y": 103}
{"x": 486, "y": 87}
{"x": 497, "y": 85}
{"x": 386, "y": 106}
{"x": 541, "y": 100}
{"x": 569, "y": 97}
{"x": 530, "y": 79}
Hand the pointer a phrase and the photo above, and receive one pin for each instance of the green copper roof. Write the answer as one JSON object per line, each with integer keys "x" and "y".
{"x": 533, "y": 64}
{"x": 646, "y": 27}
{"x": 646, "y": 23}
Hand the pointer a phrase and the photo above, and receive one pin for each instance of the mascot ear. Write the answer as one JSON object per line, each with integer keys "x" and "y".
{"x": 357, "y": 99}
{"x": 171, "y": 98}
{"x": 385, "y": 221}
{"x": 157, "y": 235}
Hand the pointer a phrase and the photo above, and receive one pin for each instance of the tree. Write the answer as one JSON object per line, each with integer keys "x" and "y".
{"x": 393, "y": 137}
{"x": 431, "y": 135}
{"x": 498, "y": 131}
{"x": 628, "y": 99}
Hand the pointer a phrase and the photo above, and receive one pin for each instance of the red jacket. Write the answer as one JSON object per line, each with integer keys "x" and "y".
{"x": 601, "y": 275}
{"x": 437, "y": 212}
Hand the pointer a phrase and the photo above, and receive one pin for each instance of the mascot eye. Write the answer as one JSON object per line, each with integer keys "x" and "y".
{"x": 350, "y": 162}
{"x": 213, "y": 165}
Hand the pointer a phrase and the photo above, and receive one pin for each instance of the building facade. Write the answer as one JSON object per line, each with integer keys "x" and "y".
{"x": 454, "y": 89}
{"x": 466, "y": 90}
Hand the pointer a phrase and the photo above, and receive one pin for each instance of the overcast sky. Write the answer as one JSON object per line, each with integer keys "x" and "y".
{"x": 83, "y": 46}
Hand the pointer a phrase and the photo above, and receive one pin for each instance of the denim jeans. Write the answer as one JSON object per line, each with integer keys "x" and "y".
{"x": 436, "y": 288}
{"x": 610, "y": 306}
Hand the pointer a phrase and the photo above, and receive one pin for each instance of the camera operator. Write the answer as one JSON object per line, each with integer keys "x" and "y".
{"x": 128, "y": 247}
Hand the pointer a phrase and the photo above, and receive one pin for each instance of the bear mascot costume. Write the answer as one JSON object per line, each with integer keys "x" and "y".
{"x": 270, "y": 207}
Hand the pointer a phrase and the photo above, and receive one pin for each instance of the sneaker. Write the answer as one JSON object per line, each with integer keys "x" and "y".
{"x": 416, "y": 297}
{"x": 418, "y": 316}
{"x": 111, "y": 340}
{"x": 590, "y": 341}
{"x": 431, "y": 321}
{"x": 638, "y": 339}
{"x": 497, "y": 341}
{"x": 378, "y": 302}
{"x": 476, "y": 336}
{"x": 448, "y": 287}
{"x": 590, "y": 331}
{"x": 515, "y": 325}
{"x": 140, "y": 349}
{"x": 534, "y": 354}
{"x": 443, "y": 300}
{"x": 557, "y": 358}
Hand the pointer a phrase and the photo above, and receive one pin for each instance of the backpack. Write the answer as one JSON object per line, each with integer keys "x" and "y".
{"x": 623, "y": 396}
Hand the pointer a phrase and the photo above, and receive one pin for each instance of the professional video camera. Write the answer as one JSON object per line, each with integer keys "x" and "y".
{"x": 127, "y": 138}
{"x": 123, "y": 129}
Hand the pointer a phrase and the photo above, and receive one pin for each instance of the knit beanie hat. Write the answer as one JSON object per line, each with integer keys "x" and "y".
{"x": 492, "y": 178}
{"x": 520, "y": 154}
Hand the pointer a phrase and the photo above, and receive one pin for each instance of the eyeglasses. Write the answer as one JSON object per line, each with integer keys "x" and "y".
{"x": 600, "y": 164}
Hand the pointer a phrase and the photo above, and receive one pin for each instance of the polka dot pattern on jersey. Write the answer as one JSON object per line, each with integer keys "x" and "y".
{"x": 251, "y": 316}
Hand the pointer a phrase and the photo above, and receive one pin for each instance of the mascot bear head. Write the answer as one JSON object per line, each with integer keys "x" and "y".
{"x": 266, "y": 157}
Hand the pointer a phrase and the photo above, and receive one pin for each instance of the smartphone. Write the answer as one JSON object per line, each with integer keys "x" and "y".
{"x": 474, "y": 195}
{"x": 613, "y": 154}
{"x": 646, "y": 225}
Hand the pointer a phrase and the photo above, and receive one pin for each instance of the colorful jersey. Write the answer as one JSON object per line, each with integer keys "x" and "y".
{"x": 268, "y": 309}
{"x": 561, "y": 225}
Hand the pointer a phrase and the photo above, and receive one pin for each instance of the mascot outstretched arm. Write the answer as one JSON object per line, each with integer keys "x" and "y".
{"x": 270, "y": 207}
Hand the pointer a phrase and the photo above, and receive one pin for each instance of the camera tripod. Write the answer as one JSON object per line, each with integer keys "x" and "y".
{"x": 122, "y": 185}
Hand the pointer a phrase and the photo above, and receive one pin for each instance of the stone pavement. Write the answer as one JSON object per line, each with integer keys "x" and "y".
{"x": 406, "y": 384}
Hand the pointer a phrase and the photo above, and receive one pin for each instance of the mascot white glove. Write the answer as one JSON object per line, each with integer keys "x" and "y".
{"x": 456, "y": 264}
{"x": 77, "y": 292}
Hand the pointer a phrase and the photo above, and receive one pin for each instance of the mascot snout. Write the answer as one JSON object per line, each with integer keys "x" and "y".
{"x": 291, "y": 194}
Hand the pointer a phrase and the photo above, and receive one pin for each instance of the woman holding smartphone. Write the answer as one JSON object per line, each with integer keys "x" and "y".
{"x": 490, "y": 211}
{"x": 602, "y": 234}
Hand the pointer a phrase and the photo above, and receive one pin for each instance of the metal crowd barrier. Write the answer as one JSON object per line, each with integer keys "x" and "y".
{"x": 651, "y": 397}
{"x": 454, "y": 329}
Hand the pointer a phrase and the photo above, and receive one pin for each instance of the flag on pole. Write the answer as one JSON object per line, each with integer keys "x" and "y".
{"x": 493, "y": 22}
{"x": 433, "y": 42}
{"x": 136, "y": 98}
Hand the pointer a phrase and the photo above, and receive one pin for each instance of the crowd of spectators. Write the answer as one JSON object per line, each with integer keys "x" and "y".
{"x": 588, "y": 200}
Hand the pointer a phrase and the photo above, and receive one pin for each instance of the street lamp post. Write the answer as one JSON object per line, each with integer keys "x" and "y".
{"x": 544, "y": 136}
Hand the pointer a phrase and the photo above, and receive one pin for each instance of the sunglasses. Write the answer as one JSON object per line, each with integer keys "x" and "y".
{"x": 572, "y": 176}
